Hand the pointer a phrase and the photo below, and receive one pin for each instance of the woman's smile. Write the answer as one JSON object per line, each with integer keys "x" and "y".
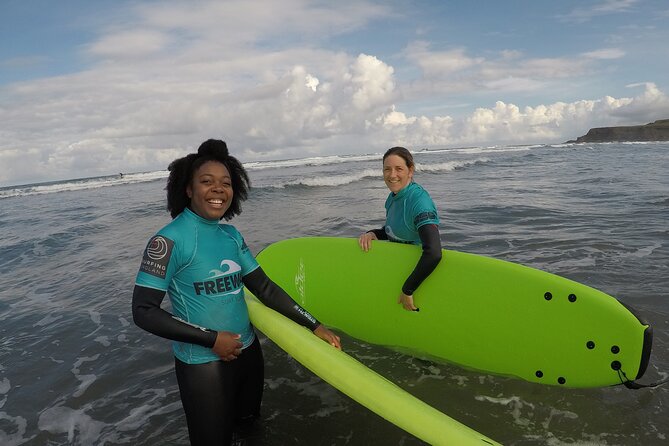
{"x": 210, "y": 191}
{"x": 396, "y": 173}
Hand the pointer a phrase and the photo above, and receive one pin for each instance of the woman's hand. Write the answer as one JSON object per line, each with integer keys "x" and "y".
{"x": 407, "y": 302}
{"x": 365, "y": 240}
{"x": 328, "y": 336}
{"x": 227, "y": 345}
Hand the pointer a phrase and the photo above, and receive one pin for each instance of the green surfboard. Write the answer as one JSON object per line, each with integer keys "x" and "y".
{"x": 475, "y": 311}
{"x": 361, "y": 383}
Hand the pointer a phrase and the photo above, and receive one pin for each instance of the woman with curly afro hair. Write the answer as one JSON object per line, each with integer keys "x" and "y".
{"x": 203, "y": 266}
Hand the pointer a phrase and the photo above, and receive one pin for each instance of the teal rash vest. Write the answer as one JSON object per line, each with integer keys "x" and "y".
{"x": 200, "y": 264}
{"x": 408, "y": 210}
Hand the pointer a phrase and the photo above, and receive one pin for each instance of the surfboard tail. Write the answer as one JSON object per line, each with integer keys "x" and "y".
{"x": 647, "y": 340}
{"x": 645, "y": 355}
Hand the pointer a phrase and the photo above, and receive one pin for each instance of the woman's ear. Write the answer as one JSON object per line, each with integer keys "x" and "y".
{"x": 189, "y": 192}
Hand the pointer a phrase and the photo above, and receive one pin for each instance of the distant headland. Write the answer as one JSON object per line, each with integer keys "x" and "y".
{"x": 655, "y": 131}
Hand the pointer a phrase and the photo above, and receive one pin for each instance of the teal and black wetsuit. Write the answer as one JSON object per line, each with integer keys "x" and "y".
{"x": 203, "y": 266}
{"x": 411, "y": 217}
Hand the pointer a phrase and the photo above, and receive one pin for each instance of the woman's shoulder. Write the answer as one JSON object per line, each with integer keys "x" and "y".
{"x": 175, "y": 229}
{"x": 420, "y": 197}
{"x": 230, "y": 230}
{"x": 416, "y": 190}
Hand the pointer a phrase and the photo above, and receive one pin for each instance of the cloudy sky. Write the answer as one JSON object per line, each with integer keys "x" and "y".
{"x": 90, "y": 88}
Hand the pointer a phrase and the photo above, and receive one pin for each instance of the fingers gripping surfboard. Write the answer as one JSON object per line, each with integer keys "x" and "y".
{"x": 475, "y": 311}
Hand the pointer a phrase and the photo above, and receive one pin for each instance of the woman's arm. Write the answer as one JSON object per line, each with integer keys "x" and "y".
{"x": 379, "y": 233}
{"x": 429, "y": 259}
{"x": 276, "y": 298}
{"x": 147, "y": 314}
{"x": 365, "y": 240}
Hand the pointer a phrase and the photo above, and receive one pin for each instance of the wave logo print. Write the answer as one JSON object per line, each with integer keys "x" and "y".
{"x": 300, "y": 281}
{"x": 157, "y": 249}
{"x": 232, "y": 267}
{"x": 224, "y": 281}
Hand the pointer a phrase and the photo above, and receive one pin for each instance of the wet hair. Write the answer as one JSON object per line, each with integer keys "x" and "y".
{"x": 402, "y": 153}
{"x": 182, "y": 170}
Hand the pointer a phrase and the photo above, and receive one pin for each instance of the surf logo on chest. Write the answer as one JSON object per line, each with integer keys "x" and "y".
{"x": 393, "y": 238}
{"x": 223, "y": 281}
{"x": 157, "y": 256}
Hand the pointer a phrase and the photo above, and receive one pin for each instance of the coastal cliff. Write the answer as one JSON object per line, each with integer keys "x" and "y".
{"x": 655, "y": 131}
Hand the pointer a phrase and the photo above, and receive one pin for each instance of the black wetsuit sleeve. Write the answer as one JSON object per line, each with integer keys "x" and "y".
{"x": 429, "y": 237}
{"x": 380, "y": 233}
{"x": 277, "y": 299}
{"x": 147, "y": 314}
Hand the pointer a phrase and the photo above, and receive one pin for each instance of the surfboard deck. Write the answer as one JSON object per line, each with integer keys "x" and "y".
{"x": 361, "y": 383}
{"x": 475, "y": 311}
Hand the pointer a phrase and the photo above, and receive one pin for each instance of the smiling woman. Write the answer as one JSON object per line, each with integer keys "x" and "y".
{"x": 211, "y": 192}
{"x": 204, "y": 266}
{"x": 204, "y": 178}
{"x": 411, "y": 217}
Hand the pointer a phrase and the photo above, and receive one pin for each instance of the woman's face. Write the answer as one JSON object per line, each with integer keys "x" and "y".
{"x": 210, "y": 191}
{"x": 396, "y": 173}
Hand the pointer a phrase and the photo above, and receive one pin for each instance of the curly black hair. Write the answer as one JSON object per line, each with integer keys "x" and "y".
{"x": 182, "y": 170}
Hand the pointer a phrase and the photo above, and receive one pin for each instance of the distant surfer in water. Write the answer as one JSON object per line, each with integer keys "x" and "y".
{"x": 203, "y": 266}
{"x": 411, "y": 217}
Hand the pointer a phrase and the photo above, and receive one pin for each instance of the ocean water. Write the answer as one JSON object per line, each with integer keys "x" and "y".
{"x": 74, "y": 370}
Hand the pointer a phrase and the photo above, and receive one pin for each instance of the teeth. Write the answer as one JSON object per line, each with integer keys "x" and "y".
{"x": 215, "y": 201}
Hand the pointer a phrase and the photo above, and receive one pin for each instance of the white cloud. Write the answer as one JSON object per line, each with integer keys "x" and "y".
{"x": 311, "y": 82}
{"x": 507, "y": 71}
{"x": 509, "y": 124}
{"x": 440, "y": 63}
{"x": 583, "y": 14}
{"x": 168, "y": 78}
{"x": 130, "y": 44}
{"x": 605, "y": 53}
{"x": 373, "y": 83}
{"x": 512, "y": 83}
{"x": 104, "y": 122}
